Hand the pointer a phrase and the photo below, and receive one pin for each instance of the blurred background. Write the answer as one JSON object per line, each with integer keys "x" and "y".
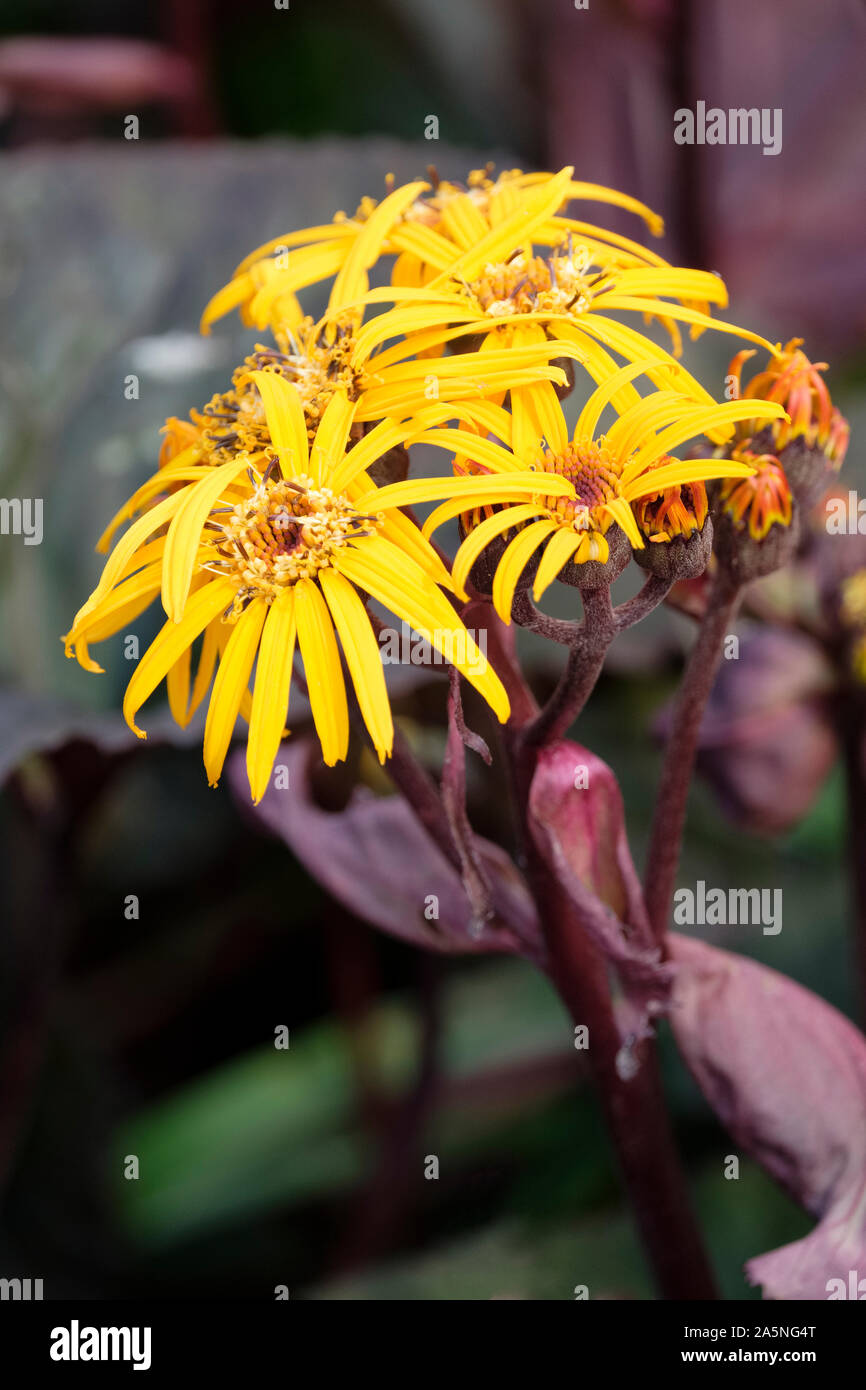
{"x": 152, "y": 1035}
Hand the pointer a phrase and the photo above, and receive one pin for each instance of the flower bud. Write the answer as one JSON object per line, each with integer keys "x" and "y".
{"x": 756, "y": 519}
{"x": 811, "y": 444}
{"x": 677, "y": 530}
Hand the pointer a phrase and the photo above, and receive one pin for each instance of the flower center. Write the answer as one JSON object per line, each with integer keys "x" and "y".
{"x": 284, "y": 531}
{"x": 234, "y": 421}
{"x": 591, "y": 468}
{"x": 532, "y": 285}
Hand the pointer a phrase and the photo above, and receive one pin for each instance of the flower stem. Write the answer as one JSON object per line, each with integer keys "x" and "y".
{"x": 635, "y": 1108}
{"x": 582, "y": 668}
{"x": 681, "y": 750}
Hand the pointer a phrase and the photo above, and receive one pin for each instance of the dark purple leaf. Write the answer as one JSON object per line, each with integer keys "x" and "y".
{"x": 376, "y": 859}
{"x": 786, "y": 1074}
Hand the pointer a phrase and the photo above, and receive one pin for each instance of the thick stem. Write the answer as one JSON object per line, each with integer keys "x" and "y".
{"x": 635, "y": 1109}
{"x": 681, "y": 750}
{"x": 654, "y": 592}
{"x": 582, "y": 668}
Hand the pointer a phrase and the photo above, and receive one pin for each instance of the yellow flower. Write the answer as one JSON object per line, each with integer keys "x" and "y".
{"x": 608, "y": 472}
{"x": 414, "y": 223}
{"x": 530, "y": 276}
{"x": 275, "y": 547}
{"x": 234, "y": 422}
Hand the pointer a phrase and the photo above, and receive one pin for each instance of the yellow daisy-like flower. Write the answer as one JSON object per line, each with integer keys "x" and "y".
{"x": 608, "y": 473}
{"x": 275, "y": 548}
{"x": 234, "y": 422}
{"x": 414, "y": 223}
{"x": 534, "y": 277}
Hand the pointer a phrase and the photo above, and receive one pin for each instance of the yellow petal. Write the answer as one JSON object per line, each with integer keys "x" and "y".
{"x": 226, "y": 299}
{"x": 513, "y": 230}
{"x": 204, "y": 671}
{"x": 367, "y": 245}
{"x": 481, "y": 535}
{"x": 329, "y": 445}
{"x": 387, "y": 576}
{"x": 462, "y": 221}
{"x": 477, "y": 489}
{"x": 363, "y": 658}
{"x": 587, "y": 422}
{"x": 332, "y": 231}
{"x": 232, "y": 680}
{"x": 203, "y": 606}
{"x": 271, "y": 691}
{"x": 558, "y": 550}
{"x": 127, "y": 546}
{"x": 177, "y": 688}
{"x": 184, "y": 533}
{"x": 517, "y": 556}
{"x": 286, "y": 423}
{"x": 181, "y": 469}
{"x": 680, "y": 473}
{"x": 699, "y": 422}
{"x": 324, "y": 674}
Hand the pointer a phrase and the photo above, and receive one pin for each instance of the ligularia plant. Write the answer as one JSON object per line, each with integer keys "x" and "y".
{"x": 282, "y": 523}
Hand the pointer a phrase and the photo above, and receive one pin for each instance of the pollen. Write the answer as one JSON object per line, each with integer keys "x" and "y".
{"x": 284, "y": 531}
{"x": 317, "y": 364}
{"x": 591, "y": 468}
{"x": 535, "y": 285}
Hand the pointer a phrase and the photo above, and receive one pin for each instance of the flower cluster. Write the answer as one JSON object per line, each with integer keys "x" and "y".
{"x": 270, "y": 524}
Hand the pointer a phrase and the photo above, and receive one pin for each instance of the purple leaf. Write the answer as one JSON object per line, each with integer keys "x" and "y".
{"x": 786, "y": 1074}
{"x": 376, "y": 859}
